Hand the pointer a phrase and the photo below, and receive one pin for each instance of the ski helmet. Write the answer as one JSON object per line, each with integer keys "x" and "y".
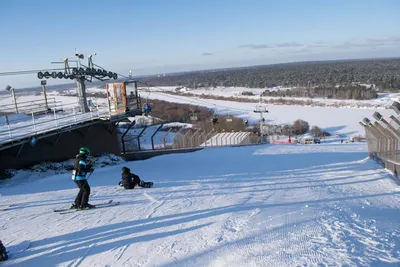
{"x": 84, "y": 150}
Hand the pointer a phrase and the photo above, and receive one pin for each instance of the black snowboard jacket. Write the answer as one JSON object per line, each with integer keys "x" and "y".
{"x": 129, "y": 180}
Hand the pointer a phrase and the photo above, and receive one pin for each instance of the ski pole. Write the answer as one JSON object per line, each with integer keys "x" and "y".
{"x": 89, "y": 175}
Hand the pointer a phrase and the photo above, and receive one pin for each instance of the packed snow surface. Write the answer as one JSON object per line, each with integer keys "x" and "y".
{"x": 269, "y": 205}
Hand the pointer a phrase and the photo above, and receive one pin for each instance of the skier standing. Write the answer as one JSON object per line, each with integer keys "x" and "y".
{"x": 130, "y": 180}
{"x": 82, "y": 166}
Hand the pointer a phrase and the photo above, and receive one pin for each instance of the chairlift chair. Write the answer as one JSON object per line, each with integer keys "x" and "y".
{"x": 193, "y": 117}
{"x": 146, "y": 109}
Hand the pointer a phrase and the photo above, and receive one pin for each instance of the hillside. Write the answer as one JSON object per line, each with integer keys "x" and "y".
{"x": 247, "y": 206}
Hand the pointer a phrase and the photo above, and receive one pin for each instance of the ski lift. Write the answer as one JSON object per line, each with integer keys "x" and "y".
{"x": 193, "y": 116}
{"x": 214, "y": 119}
{"x": 146, "y": 109}
{"x": 228, "y": 117}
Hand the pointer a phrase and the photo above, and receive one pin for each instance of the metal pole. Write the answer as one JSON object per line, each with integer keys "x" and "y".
{"x": 236, "y": 139}
{"x": 184, "y": 143}
{"x": 199, "y": 138}
{"x": 73, "y": 109}
{"x": 242, "y": 137}
{"x": 176, "y": 135}
{"x": 223, "y": 139}
{"x": 15, "y": 100}
{"x": 245, "y": 138}
{"x": 45, "y": 94}
{"x": 165, "y": 136}
{"x": 192, "y": 144}
{"x": 213, "y": 134}
{"x": 123, "y": 136}
{"x": 140, "y": 134}
{"x": 9, "y": 128}
{"x": 232, "y": 135}
{"x": 152, "y": 136}
{"x": 108, "y": 98}
{"x": 34, "y": 124}
{"x": 208, "y": 138}
{"x": 81, "y": 88}
{"x": 55, "y": 117}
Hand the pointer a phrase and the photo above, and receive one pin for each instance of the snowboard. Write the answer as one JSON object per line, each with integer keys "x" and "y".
{"x": 96, "y": 206}
{"x": 13, "y": 250}
{"x": 142, "y": 185}
{"x": 146, "y": 184}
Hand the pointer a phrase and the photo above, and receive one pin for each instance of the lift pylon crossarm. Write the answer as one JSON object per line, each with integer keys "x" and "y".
{"x": 78, "y": 72}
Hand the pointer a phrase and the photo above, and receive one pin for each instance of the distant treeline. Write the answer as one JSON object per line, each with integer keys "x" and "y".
{"x": 383, "y": 73}
{"x": 357, "y": 92}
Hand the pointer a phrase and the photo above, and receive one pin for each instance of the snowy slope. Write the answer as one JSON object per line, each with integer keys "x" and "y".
{"x": 271, "y": 205}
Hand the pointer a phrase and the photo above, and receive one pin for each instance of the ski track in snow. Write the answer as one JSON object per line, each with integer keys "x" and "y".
{"x": 247, "y": 206}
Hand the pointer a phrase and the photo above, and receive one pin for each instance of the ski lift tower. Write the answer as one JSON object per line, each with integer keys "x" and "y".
{"x": 260, "y": 108}
{"x": 80, "y": 74}
{"x": 80, "y": 78}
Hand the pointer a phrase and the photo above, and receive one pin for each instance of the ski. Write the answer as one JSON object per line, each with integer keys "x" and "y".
{"x": 97, "y": 205}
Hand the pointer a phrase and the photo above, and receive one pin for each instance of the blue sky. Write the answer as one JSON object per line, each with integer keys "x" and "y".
{"x": 165, "y": 36}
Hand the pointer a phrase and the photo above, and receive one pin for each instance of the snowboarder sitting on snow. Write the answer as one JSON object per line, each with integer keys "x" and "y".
{"x": 130, "y": 180}
{"x": 82, "y": 166}
{"x": 3, "y": 252}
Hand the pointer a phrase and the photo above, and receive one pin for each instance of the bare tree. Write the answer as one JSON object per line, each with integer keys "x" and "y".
{"x": 287, "y": 129}
{"x": 300, "y": 127}
{"x": 316, "y": 131}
